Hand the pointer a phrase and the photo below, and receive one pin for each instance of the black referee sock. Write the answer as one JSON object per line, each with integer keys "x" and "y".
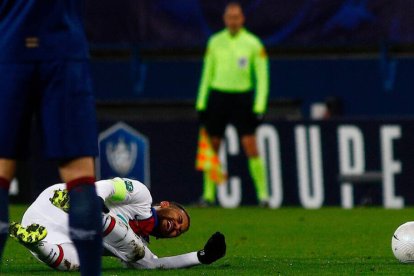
{"x": 85, "y": 224}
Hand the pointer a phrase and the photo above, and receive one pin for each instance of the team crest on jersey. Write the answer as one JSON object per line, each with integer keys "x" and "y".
{"x": 124, "y": 152}
{"x": 129, "y": 186}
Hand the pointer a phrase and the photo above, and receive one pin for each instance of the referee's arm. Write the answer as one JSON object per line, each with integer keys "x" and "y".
{"x": 206, "y": 77}
{"x": 261, "y": 71}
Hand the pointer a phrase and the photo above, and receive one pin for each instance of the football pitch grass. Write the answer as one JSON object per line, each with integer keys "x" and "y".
{"x": 286, "y": 241}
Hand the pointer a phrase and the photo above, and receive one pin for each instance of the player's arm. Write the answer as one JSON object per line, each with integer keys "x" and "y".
{"x": 115, "y": 190}
{"x": 134, "y": 194}
{"x": 151, "y": 261}
{"x": 261, "y": 71}
{"x": 214, "y": 249}
{"x": 112, "y": 189}
{"x": 206, "y": 77}
{"x": 127, "y": 192}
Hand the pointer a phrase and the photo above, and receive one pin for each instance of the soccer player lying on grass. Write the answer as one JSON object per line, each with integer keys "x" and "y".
{"x": 128, "y": 221}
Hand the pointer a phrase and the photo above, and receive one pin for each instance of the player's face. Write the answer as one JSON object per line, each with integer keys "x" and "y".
{"x": 172, "y": 222}
{"x": 233, "y": 19}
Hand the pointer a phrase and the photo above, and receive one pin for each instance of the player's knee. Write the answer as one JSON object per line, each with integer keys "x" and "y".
{"x": 136, "y": 248}
{"x": 121, "y": 240}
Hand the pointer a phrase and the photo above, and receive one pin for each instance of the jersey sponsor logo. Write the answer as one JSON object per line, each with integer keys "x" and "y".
{"x": 123, "y": 152}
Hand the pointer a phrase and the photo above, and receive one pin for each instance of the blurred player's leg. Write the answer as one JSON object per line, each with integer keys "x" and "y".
{"x": 85, "y": 222}
{"x": 7, "y": 169}
{"x": 4, "y": 213}
{"x": 68, "y": 121}
{"x": 17, "y": 100}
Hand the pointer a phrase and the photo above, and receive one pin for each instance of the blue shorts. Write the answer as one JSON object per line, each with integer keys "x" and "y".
{"x": 58, "y": 95}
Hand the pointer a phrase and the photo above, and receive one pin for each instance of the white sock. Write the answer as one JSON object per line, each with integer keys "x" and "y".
{"x": 62, "y": 257}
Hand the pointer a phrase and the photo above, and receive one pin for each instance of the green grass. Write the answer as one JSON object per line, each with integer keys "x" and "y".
{"x": 287, "y": 241}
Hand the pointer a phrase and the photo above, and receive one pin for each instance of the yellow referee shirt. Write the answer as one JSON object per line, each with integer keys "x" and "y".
{"x": 235, "y": 64}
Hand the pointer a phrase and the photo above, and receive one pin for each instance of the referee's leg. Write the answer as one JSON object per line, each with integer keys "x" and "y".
{"x": 257, "y": 168}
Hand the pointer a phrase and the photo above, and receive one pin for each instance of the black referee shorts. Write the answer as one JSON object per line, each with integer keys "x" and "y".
{"x": 230, "y": 108}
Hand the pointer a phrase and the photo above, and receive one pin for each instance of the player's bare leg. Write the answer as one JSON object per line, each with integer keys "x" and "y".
{"x": 257, "y": 168}
{"x": 250, "y": 145}
{"x": 85, "y": 223}
{"x": 7, "y": 170}
{"x": 77, "y": 168}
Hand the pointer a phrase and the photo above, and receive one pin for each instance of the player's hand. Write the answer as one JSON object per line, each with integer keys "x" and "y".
{"x": 214, "y": 249}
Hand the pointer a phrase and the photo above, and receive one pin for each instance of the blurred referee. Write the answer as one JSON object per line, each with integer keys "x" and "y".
{"x": 44, "y": 72}
{"x": 234, "y": 89}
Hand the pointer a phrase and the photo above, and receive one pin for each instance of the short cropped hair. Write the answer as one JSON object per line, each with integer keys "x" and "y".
{"x": 178, "y": 206}
{"x": 181, "y": 207}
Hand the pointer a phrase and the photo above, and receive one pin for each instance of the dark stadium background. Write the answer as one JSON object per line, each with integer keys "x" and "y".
{"x": 357, "y": 54}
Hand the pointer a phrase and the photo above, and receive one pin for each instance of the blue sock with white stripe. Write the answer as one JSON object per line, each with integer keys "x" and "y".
{"x": 85, "y": 224}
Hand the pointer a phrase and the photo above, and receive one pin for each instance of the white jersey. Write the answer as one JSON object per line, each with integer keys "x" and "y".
{"x": 125, "y": 198}
{"x": 133, "y": 202}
